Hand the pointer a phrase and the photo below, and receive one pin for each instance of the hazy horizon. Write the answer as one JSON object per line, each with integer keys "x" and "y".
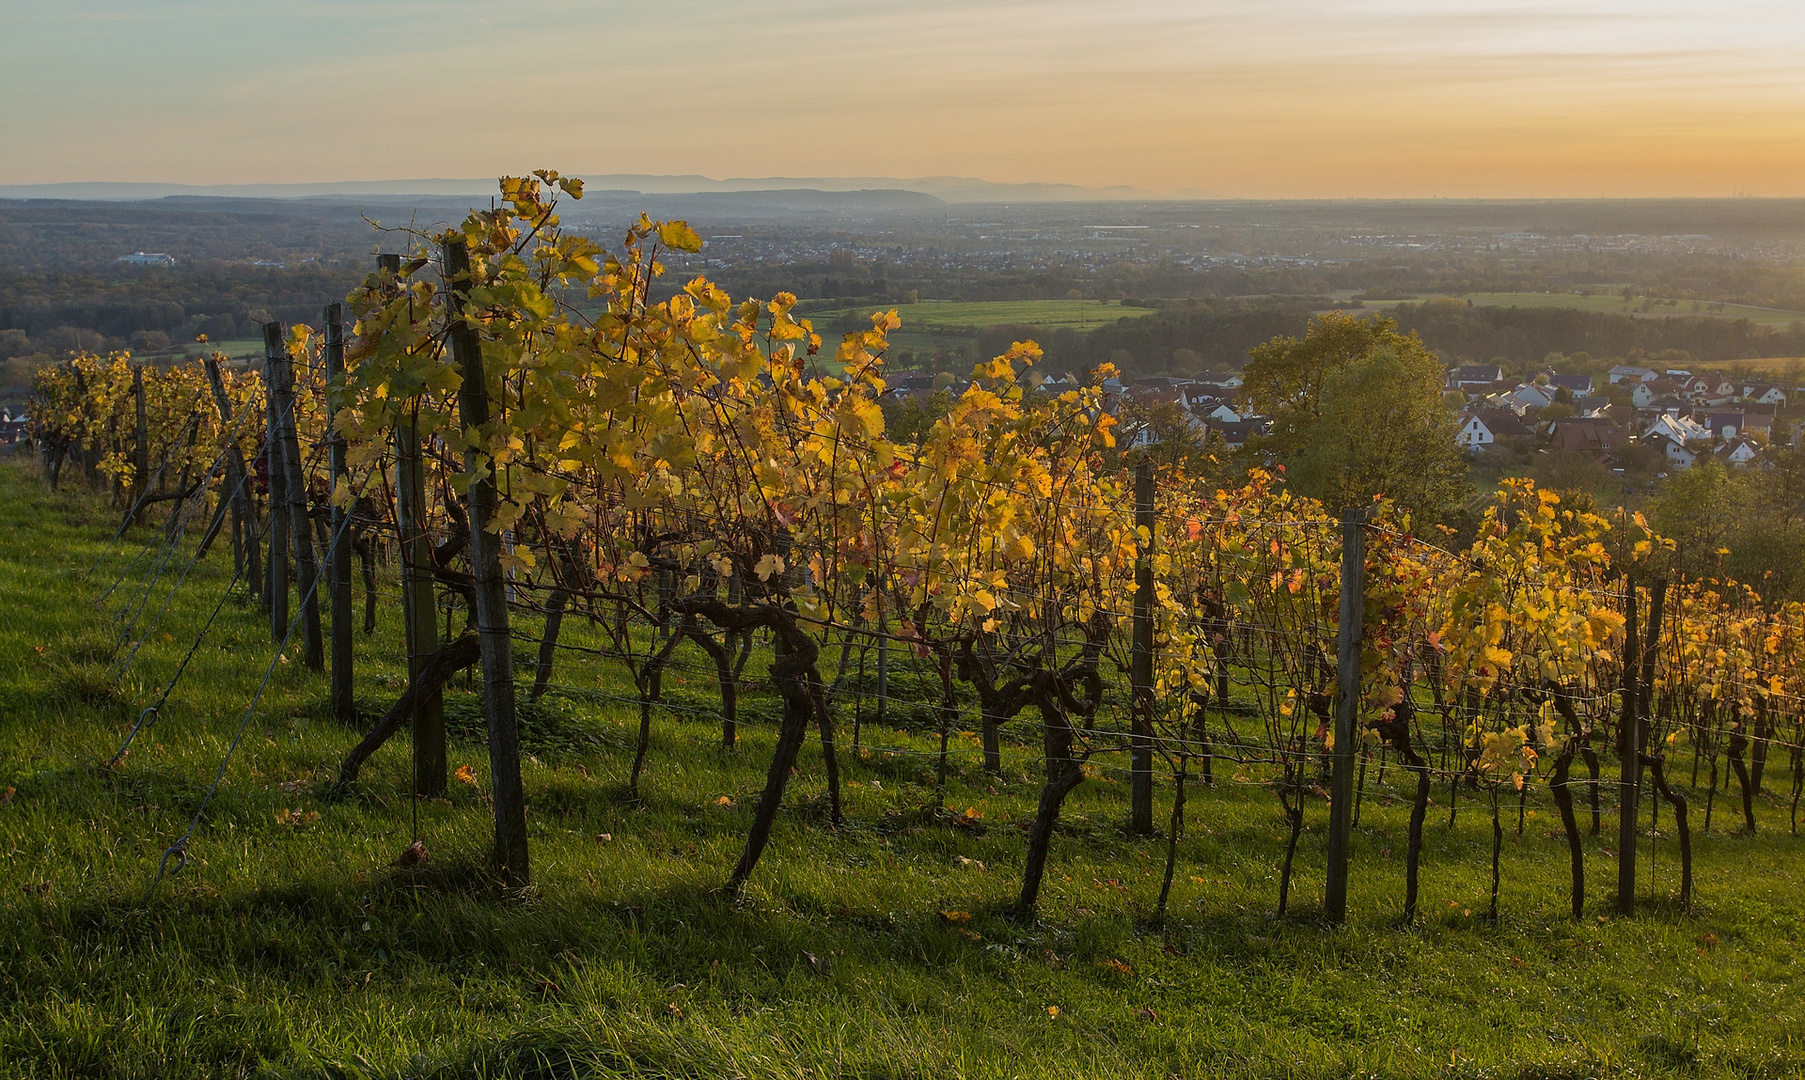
{"x": 1293, "y": 99}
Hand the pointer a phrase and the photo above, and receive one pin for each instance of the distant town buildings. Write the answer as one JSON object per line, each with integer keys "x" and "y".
{"x": 148, "y": 258}
{"x": 1684, "y": 418}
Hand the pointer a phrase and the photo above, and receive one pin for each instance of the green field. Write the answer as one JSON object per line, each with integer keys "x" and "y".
{"x": 927, "y": 315}
{"x": 1614, "y": 305}
{"x": 289, "y": 946}
{"x": 1767, "y": 367}
{"x": 242, "y": 349}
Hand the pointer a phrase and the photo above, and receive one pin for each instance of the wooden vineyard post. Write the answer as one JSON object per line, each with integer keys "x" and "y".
{"x": 1141, "y": 662}
{"x": 1347, "y": 710}
{"x": 238, "y": 485}
{"x": 419, "y": 620}
{"x": 276, "y": 588}
{"x": 140, "y": 446}
{"x": 490, "y": 587}
{"x": 883, "y": 657}
{"x": 294, "y": 487}
{"x": 1633, "y": 739}
{"x": 344, "y": 705}
{"x": 1629, "y": 749}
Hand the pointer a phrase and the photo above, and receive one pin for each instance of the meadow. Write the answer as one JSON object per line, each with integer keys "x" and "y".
{"x": 1600, "y": 303}
{"x": 292, "y": 944}
{"x": 964, "y": 315}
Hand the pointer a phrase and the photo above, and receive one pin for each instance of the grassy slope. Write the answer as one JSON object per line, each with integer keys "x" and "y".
{"x": 293, "y": 948}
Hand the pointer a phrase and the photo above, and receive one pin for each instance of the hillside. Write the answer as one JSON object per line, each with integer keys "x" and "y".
{"x": 289, "y": 945}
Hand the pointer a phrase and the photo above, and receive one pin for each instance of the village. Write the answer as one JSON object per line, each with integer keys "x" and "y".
{"x": 1629, "y": 420}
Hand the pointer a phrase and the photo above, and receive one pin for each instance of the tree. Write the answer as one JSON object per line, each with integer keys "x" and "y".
{"x": 1176, "y": 439}
{"x": 1357, "y": 413}
{"x": 1284, "y": 376}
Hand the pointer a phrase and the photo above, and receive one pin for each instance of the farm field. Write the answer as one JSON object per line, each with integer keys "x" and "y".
{"x": 1767, "y": 367}
{"x": 925, "y": 315}
{"x": 290, "y": 946}
{"x": 1614, "y": 305}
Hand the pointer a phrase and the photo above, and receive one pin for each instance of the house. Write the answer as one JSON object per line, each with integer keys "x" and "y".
{"x": 1139, "y": 435}
{"x": 1577, "y": 385}
{"x": 1676, "y": 454}
{"x": 1667, "y": 406}
{"x": 1589, "y": 434}
{"x": 1622, "y": 415}
{"x": 906, "y": 388}
{"x": 1590, "y": 404}
{"x": 1646, "y": 394}
{"x": 1149, "y": 394}
{"x": 1236, "y": 434}
{"x": 1629, "y": 373}
{"x": 1737, "y": 452}
{"x": 1473, "y": 434}
{"x": 1474, "y": 378}
{"x": 1506, "y": 425}
{"x": 1677, "y": 428}
{"x": 1764, "y": 394}
{"x": 1757, "y": 422}
{"x": 1724, "y": 425}
{"x": 1529, "y": 396}
{"x": 1481, "y": 429}
{"x": 1715, "y": 390}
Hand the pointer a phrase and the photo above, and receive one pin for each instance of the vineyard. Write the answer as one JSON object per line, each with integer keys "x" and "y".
{"x": 475, "y": 527}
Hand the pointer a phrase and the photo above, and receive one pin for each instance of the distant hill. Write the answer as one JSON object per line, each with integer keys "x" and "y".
{"x": 951, "y": 189}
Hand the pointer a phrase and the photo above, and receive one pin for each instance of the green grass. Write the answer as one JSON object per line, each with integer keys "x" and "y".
{"x": 929, "y": 315}
{"x": 1615, "y": 305}
{"x": 239, "y": 349}
{"x": 291, "y": 947}
{"x": 1767, "y": 367}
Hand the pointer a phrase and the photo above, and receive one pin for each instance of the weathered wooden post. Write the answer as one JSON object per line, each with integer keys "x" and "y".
{"x": 490, "y": 587}
{"x": 344, "y": 704}
{"x": 883, "y": 655}
{"x": 419, "y": 616}
{"x": 1633, "y": 738}
{"x": 140, "y": 447}
{"x": 1141, "y": 663}
{"x": 294, "y": 486}
{"x": 1347, "y": 711}
{"x": 276, "y": 588}
{"x": 1629, "y": 750}
{"x": 238, "y": 486}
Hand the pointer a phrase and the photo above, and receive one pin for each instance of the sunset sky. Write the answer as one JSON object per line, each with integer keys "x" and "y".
{"x": 1276, "y": 98}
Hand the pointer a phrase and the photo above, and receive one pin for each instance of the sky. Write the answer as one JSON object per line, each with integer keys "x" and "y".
{"x": 1233, "y": 98}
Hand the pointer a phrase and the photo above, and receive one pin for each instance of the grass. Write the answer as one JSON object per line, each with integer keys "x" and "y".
{"x": 290, "y": 946}
{"x": 1616, "y": 305}
{"x": 945, "y": 315}
{"x": 1767, "y": 367}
